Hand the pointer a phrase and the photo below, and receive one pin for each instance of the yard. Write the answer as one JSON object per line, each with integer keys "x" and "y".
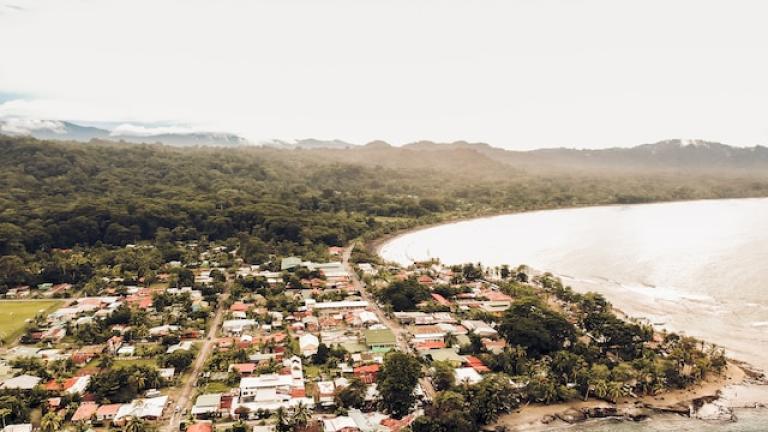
{"x": 15, "y": 313}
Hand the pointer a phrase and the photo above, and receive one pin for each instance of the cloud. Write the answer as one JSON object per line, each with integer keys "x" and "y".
{"x": 128, "y": 129}
{"x": 25, "y": 126}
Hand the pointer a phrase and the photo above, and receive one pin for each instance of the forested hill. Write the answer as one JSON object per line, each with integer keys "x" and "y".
{"x": 680, "y": 155}
{"x": 60, "y": 194}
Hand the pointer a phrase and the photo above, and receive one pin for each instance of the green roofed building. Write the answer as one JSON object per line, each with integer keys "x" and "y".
{"x": 380, "y": 340}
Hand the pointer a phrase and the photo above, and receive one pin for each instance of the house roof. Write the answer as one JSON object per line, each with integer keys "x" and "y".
{"x": 430, "y": 345}
{"x": 108, "y": 410}
{"x": 209, "y": 399}
{"x": 244, "y": 367}
{"x": 200, "y": 427}
{"x": 24, "y": 382}
{"x": 85, "y": 411}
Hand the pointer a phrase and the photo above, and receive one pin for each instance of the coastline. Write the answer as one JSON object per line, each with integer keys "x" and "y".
{"x": 684, "y": 402}
{"x": 717, "y": 393}
{"x": 374, "y": 245}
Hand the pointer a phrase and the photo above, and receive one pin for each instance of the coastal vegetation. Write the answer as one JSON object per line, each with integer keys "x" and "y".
{"x": 559, "y": 346}
{"x": 99, "y": 195}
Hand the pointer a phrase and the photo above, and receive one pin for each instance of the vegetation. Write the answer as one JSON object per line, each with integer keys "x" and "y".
{"x": 14, "y": 315}
{"x": 396, "y": 383}
{"x": 57, "y": 196}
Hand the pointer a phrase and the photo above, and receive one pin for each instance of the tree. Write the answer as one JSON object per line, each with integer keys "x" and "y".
{"x": 135, "y": 424}
{"x": 4, "y": 413}
{"x": 532, "y": 325}
{"x": 396, "y": 381}
{"x": 106, "y": 361}
{"x": 179, "y": 359}
{"x": 491, "y": 397}
{"x": 301, "y": 416}
{"x": 321, "y": 356}
{"x": 351, "y": 396}
{"x": 282, "y": 423}
{"x": 443, "y": 376}
{"x": 448, "y": 413}
{"x": 51, "y": 422}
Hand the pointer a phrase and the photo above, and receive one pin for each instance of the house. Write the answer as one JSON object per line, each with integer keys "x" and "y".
{"x": 85, "y": 412}
{"x": 427, "y": 333}
{"x": 21, "y": 382}
{"x": 379, "y": 340}
{"x": 332, "y": 306}
{"x": 325, "y": 392}
{"x": 340, "y": 424}
{"x": 480, "y": 328}
{"x": 243, "y": 369}
{"x": 494, "y": 346}
{"x": 200, "y": 427}
{"x": 440, "y": 300}
{"x": 163, "y": 330}
{"x": 25, "y": 427}
{"x": 240, "y": 307}
{"x": 308, "y": 344}
{"x": 207, "y": 404}
{"x": 181, "y": 346}
{"x": 126, "y": 351}
{"x": 467, "y": 375}
{"x": 166, "y": 373}
{"x": 238, "y": 326}
{"x": 289, "y": 263}
{"x": 477, "y": 364}
{"x": 106, "y": 413}
{"x": 367, "y": 373}
{"x": 151, "y": 409}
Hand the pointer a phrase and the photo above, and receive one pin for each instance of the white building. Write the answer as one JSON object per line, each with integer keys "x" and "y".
{"x": 308, "y": 344}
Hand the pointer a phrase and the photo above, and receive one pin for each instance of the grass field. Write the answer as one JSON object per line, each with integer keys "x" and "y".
{"x": 14, "y": 313}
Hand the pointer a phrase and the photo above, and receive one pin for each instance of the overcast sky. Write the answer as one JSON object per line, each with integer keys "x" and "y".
{"x": 516, "y": 74}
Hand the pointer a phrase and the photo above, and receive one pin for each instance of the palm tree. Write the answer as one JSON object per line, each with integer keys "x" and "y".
{"x": 301, "y": 415}
{"x": 51, "y": 422}
{"x": 4, "y": 412}
{"x": 615, "y": 391}
{"x": 106, "y": 361}
{"x": 135, "y": 424}
{"x": 138, "y": 380}
{"x": 282, "y": 424}
{"x": 600, "y": 388}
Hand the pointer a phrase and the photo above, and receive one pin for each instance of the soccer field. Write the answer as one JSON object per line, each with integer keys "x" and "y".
{"x": 14, "y": 313}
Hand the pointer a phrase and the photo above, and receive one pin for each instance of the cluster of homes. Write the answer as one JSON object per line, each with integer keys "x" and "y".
{"x": 56, "y": 338}
{"x": 282, "y": 344}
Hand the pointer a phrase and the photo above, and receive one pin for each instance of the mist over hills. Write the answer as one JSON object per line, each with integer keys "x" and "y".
{"x": 480, "y": 158}
{"x": 67, "y": 131}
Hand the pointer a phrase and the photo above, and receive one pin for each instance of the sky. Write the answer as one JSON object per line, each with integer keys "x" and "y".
{"x": 515, "y": 74}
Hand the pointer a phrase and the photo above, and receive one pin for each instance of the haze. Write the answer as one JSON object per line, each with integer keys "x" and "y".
{"x": 519, "y": 75}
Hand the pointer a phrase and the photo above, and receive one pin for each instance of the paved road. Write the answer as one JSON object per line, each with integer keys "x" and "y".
{"x": 400, "y": 332}
{"x": 185, "y": 401}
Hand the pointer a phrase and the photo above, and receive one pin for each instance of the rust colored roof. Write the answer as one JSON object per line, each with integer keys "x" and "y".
{"x": 85, "y": 411}
{"x": 428, "y": 345}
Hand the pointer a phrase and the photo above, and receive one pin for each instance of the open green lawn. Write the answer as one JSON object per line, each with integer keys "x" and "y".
{"x": 14, "y": 313}
{"x": 119, "y": 363}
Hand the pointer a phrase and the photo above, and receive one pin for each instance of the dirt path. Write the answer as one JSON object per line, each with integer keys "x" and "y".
{"x": 184, "y": 401}
{"x": 401, "y": 334}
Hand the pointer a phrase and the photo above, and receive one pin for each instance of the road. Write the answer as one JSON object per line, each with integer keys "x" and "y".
{"x": 184, "y": 401}
{"x": 401, "y": 333}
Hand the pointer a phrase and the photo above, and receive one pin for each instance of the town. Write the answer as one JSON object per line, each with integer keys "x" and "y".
{"x": 344, "y": 342}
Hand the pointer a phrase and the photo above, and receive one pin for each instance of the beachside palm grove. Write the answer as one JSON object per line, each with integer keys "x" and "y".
{"x": 152, "y": 288}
